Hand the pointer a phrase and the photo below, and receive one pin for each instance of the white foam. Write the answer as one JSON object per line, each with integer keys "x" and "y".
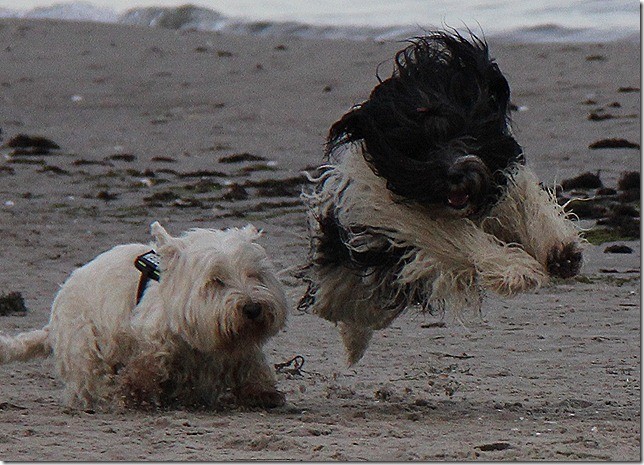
{"x": 536, "y": 21}
{"x": 76, "y": 11}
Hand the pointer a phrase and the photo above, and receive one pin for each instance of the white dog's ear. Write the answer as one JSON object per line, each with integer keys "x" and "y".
{"x": 251, "y": 232}
{"x": 161, "y": 236}
{"x": 168, "y": 247}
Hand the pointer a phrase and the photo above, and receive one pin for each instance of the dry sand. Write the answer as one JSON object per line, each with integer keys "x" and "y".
{"x": 551, "y": 375}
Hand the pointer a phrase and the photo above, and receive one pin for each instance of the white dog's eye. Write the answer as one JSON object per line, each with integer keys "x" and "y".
{"x": 213, "y": 286}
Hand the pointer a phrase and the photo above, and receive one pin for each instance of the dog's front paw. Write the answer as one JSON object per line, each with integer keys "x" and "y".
{"x": 514, "y": 280}
{"x": 262, "y": 398}
{"x": 564, "y": 261}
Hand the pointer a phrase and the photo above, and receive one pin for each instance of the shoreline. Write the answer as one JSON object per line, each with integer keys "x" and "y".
{"x": 199, "y": 18}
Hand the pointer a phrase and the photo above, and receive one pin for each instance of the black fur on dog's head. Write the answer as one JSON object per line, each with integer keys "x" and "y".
{"x": 438, "y": 129}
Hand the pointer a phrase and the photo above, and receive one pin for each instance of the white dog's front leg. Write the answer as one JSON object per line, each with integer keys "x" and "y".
{"x": 256, "y": 385}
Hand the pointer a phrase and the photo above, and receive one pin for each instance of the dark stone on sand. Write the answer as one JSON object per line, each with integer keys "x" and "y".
{"x": 583, "y": 181}
{"x": 626, "y": 210}
{"x": 630, "y": 195}
{"x": 25, "y": 141}
{"x": 122, "y": 157}
{"x": 240, "y": 158}
{"x": 618, "y": 248}
{"x": 626, "y": 226}
{"x": 106, "y": 196}
{"x": 629, "y": 180}
{"x": 201, "y": 174}
{"x": 163, "y": 159}
{"x": 29, "y": 151}
{"x": 54, "y": 169}
{"x": 614, "y": 143}
{"x": 495, "y": 446}
{"x": 12, "y": 303}
{"x": 235, "y": 192}
{"x": 606, "y": 191}
{"x": 594, "y": 116}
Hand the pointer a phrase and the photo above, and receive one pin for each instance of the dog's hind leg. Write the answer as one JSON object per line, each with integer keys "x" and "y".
{"x": 140, "y": 380}
{"x": 24, "y": 346}
{"x": 356, "y": 340}
{"x": 342, "y": 296}
{"x": 338, "y": 295}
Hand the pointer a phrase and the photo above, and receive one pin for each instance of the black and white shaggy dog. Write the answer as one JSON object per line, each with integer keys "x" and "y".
{"x": 426, "y": 200}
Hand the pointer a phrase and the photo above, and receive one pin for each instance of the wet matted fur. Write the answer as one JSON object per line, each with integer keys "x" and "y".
{"x": 194, "y": 340}
{"x": 426, "y": 200}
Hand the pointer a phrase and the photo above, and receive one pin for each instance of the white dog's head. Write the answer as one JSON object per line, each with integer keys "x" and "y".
{"x": 219, "y": 288}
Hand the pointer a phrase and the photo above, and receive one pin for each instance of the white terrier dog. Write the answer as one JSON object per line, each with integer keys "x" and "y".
{"x": 194, "y": 339}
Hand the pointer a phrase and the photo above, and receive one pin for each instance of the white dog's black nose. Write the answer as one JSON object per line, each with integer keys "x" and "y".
{"x": 252, "y": 310}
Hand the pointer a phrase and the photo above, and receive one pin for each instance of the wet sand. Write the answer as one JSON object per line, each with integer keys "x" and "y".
{"x": 155, "y": 124}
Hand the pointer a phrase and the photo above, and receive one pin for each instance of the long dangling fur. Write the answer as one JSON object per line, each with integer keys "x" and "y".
{"x": 426, "y": 200}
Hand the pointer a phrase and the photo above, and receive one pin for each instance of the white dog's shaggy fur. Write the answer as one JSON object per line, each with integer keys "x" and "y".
{"x": 195, "y": 339}
{"x": 448, "y": 261}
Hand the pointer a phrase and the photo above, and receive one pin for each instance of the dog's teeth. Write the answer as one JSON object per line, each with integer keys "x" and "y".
{"x": 458, "y": 200}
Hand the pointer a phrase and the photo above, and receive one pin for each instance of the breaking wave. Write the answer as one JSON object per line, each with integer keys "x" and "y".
{"x": 199, "y": 18}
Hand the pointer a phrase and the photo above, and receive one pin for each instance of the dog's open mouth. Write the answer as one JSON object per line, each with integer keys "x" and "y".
{"x": 458, "y": 200}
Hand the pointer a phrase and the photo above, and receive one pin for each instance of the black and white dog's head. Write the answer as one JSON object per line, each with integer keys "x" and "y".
{"x": 438, "y": 129}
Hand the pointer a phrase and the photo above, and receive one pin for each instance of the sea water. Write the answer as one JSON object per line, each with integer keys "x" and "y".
{"x": 532, "y": 21}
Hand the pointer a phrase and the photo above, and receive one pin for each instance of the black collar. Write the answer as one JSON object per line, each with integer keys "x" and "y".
{"x": 148, "y": 265}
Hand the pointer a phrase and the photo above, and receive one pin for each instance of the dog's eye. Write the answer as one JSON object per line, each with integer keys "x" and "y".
{"x": 216, "y": 283}
{"x": 255, "y": 276}
{"x": 213, "y": 286}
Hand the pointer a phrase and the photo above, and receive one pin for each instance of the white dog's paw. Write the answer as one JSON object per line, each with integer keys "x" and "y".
{"x": 264, "y": 398}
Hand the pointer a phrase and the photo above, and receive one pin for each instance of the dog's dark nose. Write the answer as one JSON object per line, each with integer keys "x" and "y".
{"x": 252, "y": 310}
{"x": 455, "y": 176}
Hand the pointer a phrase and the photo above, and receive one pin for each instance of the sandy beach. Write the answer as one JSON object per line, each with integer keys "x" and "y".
{"x": 200, "y": 129}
